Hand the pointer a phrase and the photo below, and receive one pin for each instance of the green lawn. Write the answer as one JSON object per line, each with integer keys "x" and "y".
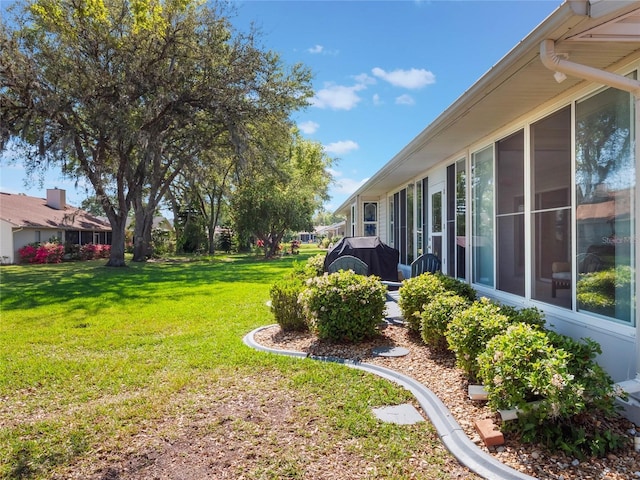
{"x": 93, "y": 357}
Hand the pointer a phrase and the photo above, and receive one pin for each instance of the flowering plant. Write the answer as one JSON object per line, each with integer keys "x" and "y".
{"x": 527, "y": 363}
{"x": 49, "y": 252}
{"x": 344, "y": 306}
{"x": 90, "y": 251}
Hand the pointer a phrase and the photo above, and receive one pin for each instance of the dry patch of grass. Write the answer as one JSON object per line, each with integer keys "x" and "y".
{"x": 258, "y": 427}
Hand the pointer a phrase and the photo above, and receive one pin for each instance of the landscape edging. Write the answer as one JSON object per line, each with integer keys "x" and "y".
{"x": 449, "y": 431}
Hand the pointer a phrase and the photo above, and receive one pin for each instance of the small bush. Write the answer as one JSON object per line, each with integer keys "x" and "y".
{"x": 526, "y": 363}
{"x": 285, "y": 307}
{"x": 90, "y": 251}
{"x": 458, "y": 287}
{"x": 519, "y": 365}
{"x": 470, "y": 330}
{"x": 315, "y": 264}
{"x": 530, "y": 316}
{"x": 415, "y": 293}
{"x": 437, "y": 315}
{"x": 344, "y": 306}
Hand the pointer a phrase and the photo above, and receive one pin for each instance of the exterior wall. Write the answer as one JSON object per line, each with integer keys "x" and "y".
{"x": 383, "y": 222}
{"x": 6, "y": 243}
{"x": 24, "y": 237}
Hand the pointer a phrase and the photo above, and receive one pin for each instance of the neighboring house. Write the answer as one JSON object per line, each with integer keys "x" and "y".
{"x": 528, "y": 181}
{"x": 24, "y": 220}
{"x": 331, "y": 231}
{"x": 159, "y": 223}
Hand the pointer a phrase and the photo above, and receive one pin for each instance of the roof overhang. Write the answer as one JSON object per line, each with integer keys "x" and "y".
{"x": 597, "y": 33}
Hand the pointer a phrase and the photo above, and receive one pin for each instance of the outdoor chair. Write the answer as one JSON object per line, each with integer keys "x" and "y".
{"x": 427, "y": 262}
{"x": 349, "y": 262}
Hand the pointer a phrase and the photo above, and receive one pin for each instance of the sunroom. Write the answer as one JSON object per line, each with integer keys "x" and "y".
{"x": 525, "y": 187}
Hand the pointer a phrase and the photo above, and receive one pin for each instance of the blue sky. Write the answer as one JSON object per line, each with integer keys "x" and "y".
{"x": 383, "y": 70}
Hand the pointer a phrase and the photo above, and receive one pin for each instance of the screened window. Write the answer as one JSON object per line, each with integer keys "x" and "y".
{"x": 419, "y": 219}
{"x": 551, "y": 208}
{"x": 411, "y": 226}
{"x": 510, "y": 215}
{"x": 605, "y": 194}
{"x": 461, "y": 222}
{"x": 483, "y": 216}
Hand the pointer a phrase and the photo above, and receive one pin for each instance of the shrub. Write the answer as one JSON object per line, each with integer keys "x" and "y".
{"x": 88, "y": 251}
{"x": 28, "y": 253}
{"x": 315, "y": 264}
{"x": 530, "y": 316}
{"x": 286, "y": 309}
{"x": 344, "y": 306}
{"x": 470, "y": 330}
{"x": 527, "y": 363}
{"x": 415, "y": 293}
{"x": 437, "y": 315}
{"x": 49, "y": 252}
{"x": 516, "y": 366}
{"x": 458, "y": 287}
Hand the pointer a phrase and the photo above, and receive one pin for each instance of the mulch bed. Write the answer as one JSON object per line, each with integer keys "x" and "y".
{"x": 438, "y": 372}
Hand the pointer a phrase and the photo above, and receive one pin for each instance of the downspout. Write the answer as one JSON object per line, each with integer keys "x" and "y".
{"x": 554, "y": 63}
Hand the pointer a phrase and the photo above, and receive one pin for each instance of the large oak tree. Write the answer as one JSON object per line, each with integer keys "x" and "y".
{"x": 120, "y": 92}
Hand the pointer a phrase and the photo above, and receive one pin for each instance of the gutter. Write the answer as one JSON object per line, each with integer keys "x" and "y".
{"x": 555, "y": 63}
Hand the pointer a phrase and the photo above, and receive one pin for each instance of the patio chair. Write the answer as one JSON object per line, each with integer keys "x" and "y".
{"x": 349, "y": 262}
{"x": 427, "y": 262}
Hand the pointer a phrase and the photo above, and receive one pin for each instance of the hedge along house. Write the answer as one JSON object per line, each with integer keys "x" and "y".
{"x": 25, "y": 220}
{"x": 525, "y": 186}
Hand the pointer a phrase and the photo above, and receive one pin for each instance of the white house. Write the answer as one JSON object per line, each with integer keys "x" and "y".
{"x": 25, "y": 220}
{"x": 529, "y": 180}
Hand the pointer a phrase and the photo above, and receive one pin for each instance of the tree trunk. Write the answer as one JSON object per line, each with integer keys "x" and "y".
{"x": 142, "y": 248}
{"x": 116, "y": 258}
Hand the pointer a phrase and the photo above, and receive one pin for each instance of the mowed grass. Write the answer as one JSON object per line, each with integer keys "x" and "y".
{"x": 91, "y": 357}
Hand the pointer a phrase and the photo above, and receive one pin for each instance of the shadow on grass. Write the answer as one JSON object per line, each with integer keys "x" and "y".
{"x": 92, "y": 283}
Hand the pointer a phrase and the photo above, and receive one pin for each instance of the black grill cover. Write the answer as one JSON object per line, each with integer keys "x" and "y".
{"x": 381, "y": 259}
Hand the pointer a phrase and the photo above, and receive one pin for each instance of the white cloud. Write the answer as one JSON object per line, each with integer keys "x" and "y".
{"x": 316, "y": 49}
{"x": 308, "y": 127}
{"x": 348, "y": 185}
{"x": 337, "y": 97}
{"x": 412, "y": 79}
{"x": 341, "y": 147}
{"x": 405, "y": 100}
{"x": 376, "y": 99}
{"x": 364, "y": 79}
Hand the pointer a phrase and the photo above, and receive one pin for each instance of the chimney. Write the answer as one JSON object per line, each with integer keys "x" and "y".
{"x": 56, "y": 198}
